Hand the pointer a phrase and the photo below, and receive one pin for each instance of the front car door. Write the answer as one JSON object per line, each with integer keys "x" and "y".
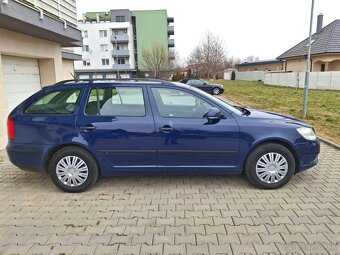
{"x": 185, "y": 139}
{"x": 118, "y": 125}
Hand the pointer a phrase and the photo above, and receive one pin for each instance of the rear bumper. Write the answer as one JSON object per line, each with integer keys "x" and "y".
{"x": 26, "y": 156}
{"x": 308, "y": 154}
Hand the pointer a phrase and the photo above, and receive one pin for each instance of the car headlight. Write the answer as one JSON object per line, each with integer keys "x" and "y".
{"x": 307, "y": 133}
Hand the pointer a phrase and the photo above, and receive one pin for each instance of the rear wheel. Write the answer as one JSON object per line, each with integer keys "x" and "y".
{"x": 216, "y": 91}
{"x": 73, "y": 169}
{"x": 270, "y": 166}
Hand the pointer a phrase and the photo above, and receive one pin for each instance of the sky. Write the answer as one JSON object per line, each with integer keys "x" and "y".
{"x": 263, "y": 28}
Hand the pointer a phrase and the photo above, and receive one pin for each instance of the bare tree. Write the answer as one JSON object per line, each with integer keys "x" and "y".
{"x": 209, "y": 56}
{"x": 156, "y": 59}
{"x": 251, "y": 59}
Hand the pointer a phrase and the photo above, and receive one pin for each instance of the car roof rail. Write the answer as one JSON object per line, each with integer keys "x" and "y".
{"x": 114, "y": 80}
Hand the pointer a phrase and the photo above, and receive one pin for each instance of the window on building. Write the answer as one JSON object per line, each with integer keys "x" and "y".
{"x": 86, "y": 48}
{"x": 119, "y": 31}
{"x": 102, "y": 33}
{"x": 121, "y": 61}
{"x": 85, "y": 34}
{"x": 104, "y": 47}
{"x": 121, "y": 47}
{"x": 86, "y": 63}
{"x": 105, "y": 62}
{"x": 120, "y": 18}
{"x": 323, "y": 67}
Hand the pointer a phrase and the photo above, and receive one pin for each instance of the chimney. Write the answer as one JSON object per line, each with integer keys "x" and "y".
{"x": 319, "y": 24}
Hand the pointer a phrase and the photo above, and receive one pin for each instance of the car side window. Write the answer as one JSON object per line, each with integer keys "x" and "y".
{"x": 57, "y": 102}
{"x": 116, "y": 101}
{"x": 173, "y": 103}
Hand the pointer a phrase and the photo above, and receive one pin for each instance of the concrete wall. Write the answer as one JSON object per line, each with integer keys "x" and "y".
{"x": 50, "y": 64}
{"x": 318, "y": 80}
{"x": 227, "y": 76}
{"x": 250, "y": 76}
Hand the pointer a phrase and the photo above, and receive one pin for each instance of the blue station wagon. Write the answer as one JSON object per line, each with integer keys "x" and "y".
{"x": 79, "y": 130}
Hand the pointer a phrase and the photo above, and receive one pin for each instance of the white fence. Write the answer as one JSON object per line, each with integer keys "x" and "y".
{"x": 318, "y": 80}
{"x": 250, "y": 76}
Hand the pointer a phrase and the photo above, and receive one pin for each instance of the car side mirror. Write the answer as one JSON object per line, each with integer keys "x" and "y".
{"x": 214, "y": 115}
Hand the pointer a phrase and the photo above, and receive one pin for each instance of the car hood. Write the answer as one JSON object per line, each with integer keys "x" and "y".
{"x": 276, "y": 117}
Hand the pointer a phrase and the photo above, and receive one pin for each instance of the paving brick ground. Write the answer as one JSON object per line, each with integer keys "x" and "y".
{"x": 172, "y": 215}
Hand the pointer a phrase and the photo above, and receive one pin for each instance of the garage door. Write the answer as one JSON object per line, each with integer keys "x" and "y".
{"x": 21, "y": 77}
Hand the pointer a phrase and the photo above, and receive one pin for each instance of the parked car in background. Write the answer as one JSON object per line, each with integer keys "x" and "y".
{"x": 80, "y": 130}
{"x": 214, "y": 89}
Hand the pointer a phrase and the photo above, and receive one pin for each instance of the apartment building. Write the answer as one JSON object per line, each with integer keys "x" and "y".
{"x": 36, "y": 41}
{"x": 113, "y": 41}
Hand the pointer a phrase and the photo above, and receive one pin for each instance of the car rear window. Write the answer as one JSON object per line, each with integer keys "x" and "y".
{"x": 57, "y": 102}
{"x": 116, "y": 101}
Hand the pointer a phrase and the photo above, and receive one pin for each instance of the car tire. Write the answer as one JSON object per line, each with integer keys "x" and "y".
{"x": 216, "y": 91}
{"x": 270, "y": 166}
{"x": 73, "y": 169}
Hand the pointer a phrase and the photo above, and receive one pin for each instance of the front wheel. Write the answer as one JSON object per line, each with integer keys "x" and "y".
{"x": 216, "y": 91}
{"x": 270, "y": 166}
{"x": 73, "y": 169}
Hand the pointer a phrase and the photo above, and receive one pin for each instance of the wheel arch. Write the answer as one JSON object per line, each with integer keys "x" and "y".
{"x": 282, "y": 142}
{"x": 48, "y": 156}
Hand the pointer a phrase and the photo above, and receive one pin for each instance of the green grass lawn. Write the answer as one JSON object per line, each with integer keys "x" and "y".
{"x": 323, "y": 105}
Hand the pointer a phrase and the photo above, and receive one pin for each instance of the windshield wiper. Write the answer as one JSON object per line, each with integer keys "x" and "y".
{"x": 243, "y": 110}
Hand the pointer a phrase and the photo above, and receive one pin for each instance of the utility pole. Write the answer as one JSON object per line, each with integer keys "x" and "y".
{"x": 307, "y": 75}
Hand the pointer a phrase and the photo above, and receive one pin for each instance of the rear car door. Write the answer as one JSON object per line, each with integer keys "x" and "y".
{"x": 185, "y": 139}
{"x": 118, "y": 125}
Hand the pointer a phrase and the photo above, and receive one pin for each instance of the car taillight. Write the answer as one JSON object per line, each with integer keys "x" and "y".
{"x": 10, "y": 128}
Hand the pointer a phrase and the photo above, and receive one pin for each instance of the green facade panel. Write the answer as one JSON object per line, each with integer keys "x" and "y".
{"x": 151, "y": 28}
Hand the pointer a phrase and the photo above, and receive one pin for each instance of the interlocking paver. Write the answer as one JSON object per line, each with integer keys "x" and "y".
{"x": 172, "y": 214}
{"x": 185, "y": 239}
{"x": 107, "y": 249}
{"x": 197, "y": 249}
{"x": 243, "y": 248}
{"x": 174, "y": 249}
{"x": 128, "y": 249}
{"x": 152, "y": 249}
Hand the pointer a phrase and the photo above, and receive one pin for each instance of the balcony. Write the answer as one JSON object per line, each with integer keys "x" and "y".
{"x": 120, "y": 38}
{"x": 121, "y": 66}
{"x": 171, "y": 30}
{"x": 171, "y": 20}
{"x": 171, "y": 42}
{"x": 171, "y": 54}
{"x": 120, "y": 53}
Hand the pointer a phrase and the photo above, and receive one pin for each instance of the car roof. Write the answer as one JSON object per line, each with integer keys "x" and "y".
{"x": 94, "y": 82}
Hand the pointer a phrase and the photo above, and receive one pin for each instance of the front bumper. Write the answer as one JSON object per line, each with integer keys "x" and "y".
{"x": 307, "y": 154}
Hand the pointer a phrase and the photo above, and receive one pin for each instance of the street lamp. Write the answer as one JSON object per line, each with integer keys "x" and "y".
{"x": 117, "y": 56}
{"x": 305, "y": 96}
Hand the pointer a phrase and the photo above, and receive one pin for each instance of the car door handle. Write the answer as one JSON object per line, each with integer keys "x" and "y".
{"x": 88, "y": 128}
{"x": 166, "y": 129}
